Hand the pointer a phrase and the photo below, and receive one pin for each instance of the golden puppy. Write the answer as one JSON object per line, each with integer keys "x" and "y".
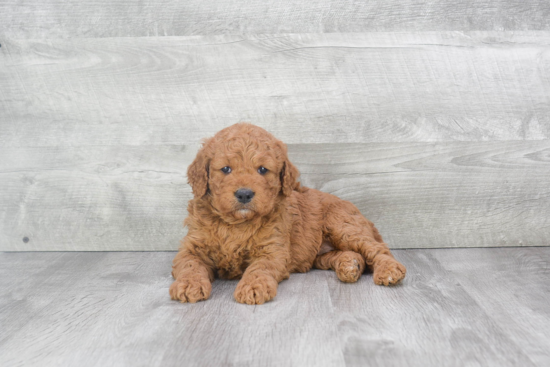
{"x": 250, "y": 219}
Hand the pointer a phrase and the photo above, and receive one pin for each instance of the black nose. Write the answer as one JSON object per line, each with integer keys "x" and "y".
{"x": 244, "y": 195}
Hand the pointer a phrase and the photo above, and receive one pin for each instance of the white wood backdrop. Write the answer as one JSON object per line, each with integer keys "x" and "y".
{"x": 126, "y": 18}
{"x": 434, "y": 119}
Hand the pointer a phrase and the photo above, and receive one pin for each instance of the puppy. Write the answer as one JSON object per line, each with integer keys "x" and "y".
{"x": 251, "y": 219}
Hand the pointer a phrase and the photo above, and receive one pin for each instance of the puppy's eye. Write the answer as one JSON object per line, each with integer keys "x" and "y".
{"x": 226, "y": 170}
{"x": 262, "y": 170}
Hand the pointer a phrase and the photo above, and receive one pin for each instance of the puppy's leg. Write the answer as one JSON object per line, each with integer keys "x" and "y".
{"x": 193, "y": 278}
{"x": 348, "y": 265}
{"x": 260, "y": 280}
{"x": 348, "y": 229}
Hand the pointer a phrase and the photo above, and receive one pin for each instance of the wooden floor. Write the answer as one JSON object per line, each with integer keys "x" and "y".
{"x": 457, "y": 307}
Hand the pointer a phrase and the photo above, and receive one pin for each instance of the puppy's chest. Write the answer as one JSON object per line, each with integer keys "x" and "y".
{"x": 232, "y": 253}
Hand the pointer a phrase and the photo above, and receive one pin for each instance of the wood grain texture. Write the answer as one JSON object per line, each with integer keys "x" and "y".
{"x": 420, "y": 195}
{"x": 517, "y": 272}
{"x": 94, "y": 198}
{"x": 456, "y": 307}
{"x": 102, "y": 18}
{"x": 449, "y": 194}
{"x": 305, "y": 88}
{"x": 432, "y": 319}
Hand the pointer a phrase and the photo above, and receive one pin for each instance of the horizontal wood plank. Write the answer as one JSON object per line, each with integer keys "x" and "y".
{"x": 102, "y": 18}
{"x": 453, "y": 194}
{"x": 306, "y": 88}
{"x": 91, "y": 198}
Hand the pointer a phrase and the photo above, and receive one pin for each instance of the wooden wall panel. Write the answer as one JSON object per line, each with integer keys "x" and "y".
{"x": 450, "y": 194}
{"x": 104, "y": 18}
{"x": 459, "y": 194}
{"x": 94, "y": 197}
{"x": 332, "y": 88}
{"x": 433, "y": 117}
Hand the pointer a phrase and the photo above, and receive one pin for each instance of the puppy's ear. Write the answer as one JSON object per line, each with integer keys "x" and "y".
{"x": 289, "y": 177}
{"x": 197, "y": 172}
{"x": 289, "y": 174}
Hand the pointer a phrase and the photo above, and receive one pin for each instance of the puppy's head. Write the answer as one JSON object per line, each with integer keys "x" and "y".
{"x": 242, "y": 171}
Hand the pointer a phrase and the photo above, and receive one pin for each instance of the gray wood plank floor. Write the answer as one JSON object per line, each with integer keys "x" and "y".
{"x": 457, "y": 307}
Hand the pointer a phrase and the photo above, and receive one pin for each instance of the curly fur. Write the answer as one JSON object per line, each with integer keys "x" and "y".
{"x": 285, "y": 228}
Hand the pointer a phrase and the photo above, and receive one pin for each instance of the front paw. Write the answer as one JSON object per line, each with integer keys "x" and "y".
{"x": 389, "y": 272}
{"x": 256, "y": 289}
{"x": 191, "y": 289}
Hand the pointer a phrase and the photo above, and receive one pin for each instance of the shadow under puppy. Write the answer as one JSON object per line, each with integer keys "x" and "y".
{"x": 251, "y": 219}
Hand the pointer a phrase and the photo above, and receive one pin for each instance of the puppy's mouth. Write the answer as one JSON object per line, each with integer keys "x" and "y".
{"x": 244, "y": 213}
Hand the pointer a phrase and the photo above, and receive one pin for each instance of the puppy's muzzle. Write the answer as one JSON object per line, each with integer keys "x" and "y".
{"x": 244, "y": 195}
